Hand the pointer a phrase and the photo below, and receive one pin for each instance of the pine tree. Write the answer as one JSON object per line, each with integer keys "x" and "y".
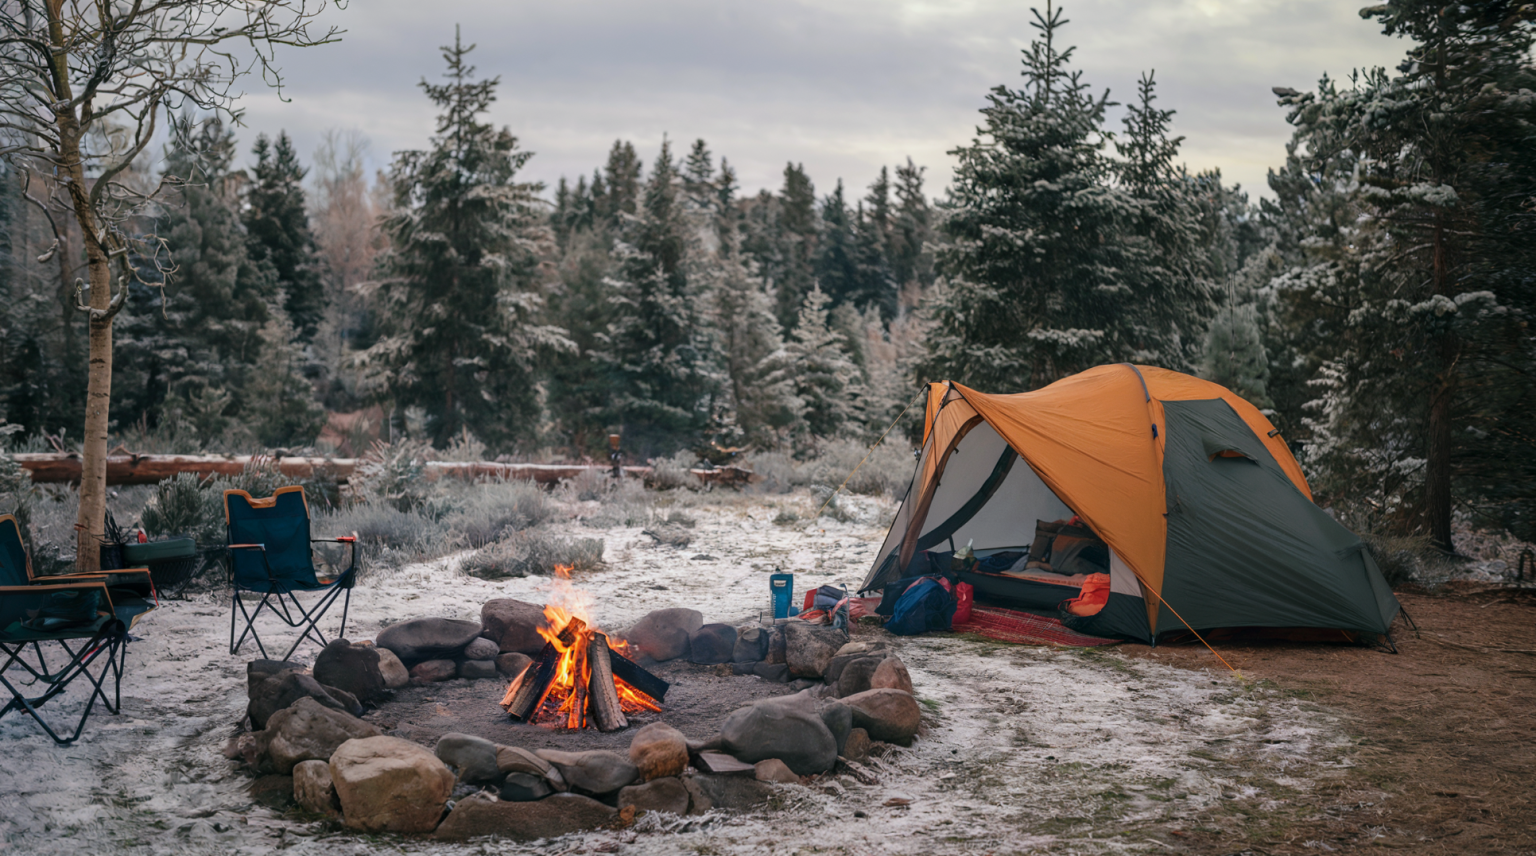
{"x": 619, "y": 194}
{"x": 1234, "y": 354}
{"x": 1032, "y": 289}
{"x": 463, "y": 285}
{"x": 815, "y": 364}
{"x": 792, "y": 265}
{"x": 911, "y": 230}
{"x": 750, "y": 338}
{"x": 661, "y": 361}
{"x": 837, "y": 272}
{"x": 278, "y": 234}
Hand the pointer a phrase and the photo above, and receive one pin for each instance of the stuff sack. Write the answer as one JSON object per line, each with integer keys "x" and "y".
{"x": 965, "y": 598}
{"x": 1090, "y": 598}
{"x": 926, "y": 606}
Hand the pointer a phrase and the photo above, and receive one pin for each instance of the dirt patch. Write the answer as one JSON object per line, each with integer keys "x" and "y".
{"x": 699, "y": 700}
{"x": 1444, "y": 733}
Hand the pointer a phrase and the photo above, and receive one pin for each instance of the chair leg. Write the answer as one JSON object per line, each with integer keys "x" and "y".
{"x": 79, "y": 664}
{"x": 238, "y": 606}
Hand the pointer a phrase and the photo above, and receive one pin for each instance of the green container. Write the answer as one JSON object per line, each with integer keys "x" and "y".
{"x": 139, "y": 555}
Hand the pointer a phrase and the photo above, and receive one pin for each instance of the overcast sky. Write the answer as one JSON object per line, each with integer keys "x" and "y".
{"x": 843, "y": 86}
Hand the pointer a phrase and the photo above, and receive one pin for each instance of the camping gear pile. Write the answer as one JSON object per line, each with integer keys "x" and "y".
{"x": 1169, "y": 505}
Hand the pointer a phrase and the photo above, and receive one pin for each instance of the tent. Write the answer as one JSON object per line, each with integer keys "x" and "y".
{"x": 1207, "y": 517}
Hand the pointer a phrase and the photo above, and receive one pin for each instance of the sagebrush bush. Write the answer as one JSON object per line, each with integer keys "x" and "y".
{"x": 396, "y": 474}
{"x": 888, "y": 470}
{"x": 486, "y": 512}
{"x": 533, "y": 552}
{"x": 671, "y": 473}
{"x": 184, "y": 505}
{"x": 627, "y": 504}
{"x": 381, "y": 525}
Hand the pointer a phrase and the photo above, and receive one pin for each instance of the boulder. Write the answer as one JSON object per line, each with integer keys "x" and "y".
{"x": 698, "y": 801}
{"x": 513, "y": 625}
{"x": 558, "y": 815}
{"x": 887, "y": 714}
{"x": 712, "y": 644}
{"x": 473, "y": 757}
{"x": 667, "y": 794}
{"x": 512, "y": 664}
{"x": 257, "y": 671}
{"x": 751, "y": 645}
{"x": 783, "y": 729}
{"x": 658, "y": 750}
{"x": 733, "y": 793}
{"x": 809, "y": 648}
{"x": 481, "y": 649}
{"x": 774, "y": 770}
{"x": 776, "y": 672}
{"x": 475, "y": 670}
{"x": 525, "y": 787}
{"x": 354, "y": 668}
{"x": 313, "y": 789}
{"x": 286, "y": 687}
{"x": 835, "y": 667}
{"x": 428, "y": 638}
{"x": 776, "y": 645}
{"x": 596, "y": 771}
{"x": 891, "y": 675}
{"x": 855, "y": 676}
{"x": 386, "y": 784}
{"x": 308, "y": 731}
{"x": 393, "y": 671}
{"x": 511, "y": 759}
{"x": 857, "y": 746}
{"x": 432, "y": 671}
{"x": 663, "y": 634}
{"x": 838, "y": 718}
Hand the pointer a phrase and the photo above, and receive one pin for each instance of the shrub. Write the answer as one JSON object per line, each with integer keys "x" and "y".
{"x": 888, "y": 470}
{"x": 671, "y": 473}
{"x": 380, "y": 525}
{"x": 535, "y": 552}
{"x": 396, "y": 474}
{"x": 488, "y": 511}
{"x": 184, "y": 505}
{"x": 626, "y": 504}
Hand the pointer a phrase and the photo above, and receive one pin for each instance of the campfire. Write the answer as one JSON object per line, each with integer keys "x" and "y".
{"x": 582, "y": 676}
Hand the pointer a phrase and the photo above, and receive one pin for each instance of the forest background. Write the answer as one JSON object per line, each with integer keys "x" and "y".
{"x": 1377, "y": 307}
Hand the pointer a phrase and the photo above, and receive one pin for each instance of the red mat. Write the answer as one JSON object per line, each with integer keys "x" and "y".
{"x": 1026, "y": 628}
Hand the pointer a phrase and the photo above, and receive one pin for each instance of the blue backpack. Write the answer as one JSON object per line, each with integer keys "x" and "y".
{"x": 925, "y": 605}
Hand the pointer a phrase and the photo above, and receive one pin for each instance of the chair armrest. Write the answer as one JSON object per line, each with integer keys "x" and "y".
{"x": 261, "y": 547}
{"x": 266, "y": 564}
{"x": 349, "y": 540}
{"x": 35, "y": 596}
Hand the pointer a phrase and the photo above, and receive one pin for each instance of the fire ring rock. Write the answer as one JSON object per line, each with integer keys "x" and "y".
{"x": 892, "y": 674}
{"x": 712, "y": 644}
{"x": 512, "y": 664}
{"x": 390, "y": 785}
{"x": 658, "y": 750}
{"x": 394, "y": 672}
{"x": 667, "y": 794}
{"x": 474, "y": 757}
{"x": 809, "y": 648}
{"x": 513, "y": 625}
{"x": 663, "y": 635}
{"x": 430, "y": 671}
{"x": 887, "y": 714}
{"x": 481, "y": 649}
{"x": 597, "y": 771}
{"x": 276, "y": 692}
{"x": 855, "y": 676}
{"x": 558, "y": 815}
{"x": 428, "y": 638}
{"x": 788, "y": 730}
{"x": 313, "y": 788}
{"x": 751, "y": 645}
{"x": 354, "y": 668}
{"x": 308, "y": 731}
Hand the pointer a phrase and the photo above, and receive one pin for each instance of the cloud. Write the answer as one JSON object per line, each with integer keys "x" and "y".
{"x": 843, "y": 87}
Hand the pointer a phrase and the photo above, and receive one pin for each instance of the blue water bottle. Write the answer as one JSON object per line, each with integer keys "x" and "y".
{"x": 782, "y": 589}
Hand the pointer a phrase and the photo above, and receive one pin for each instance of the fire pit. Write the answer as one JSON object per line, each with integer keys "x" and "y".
{"x": 581, "y": 677}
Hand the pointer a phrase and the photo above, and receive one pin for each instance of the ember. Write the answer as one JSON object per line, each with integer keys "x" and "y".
{"x": 581, "y": 677}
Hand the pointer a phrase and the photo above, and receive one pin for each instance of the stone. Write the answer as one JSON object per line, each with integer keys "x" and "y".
{"x": 698, "y": 801}
{"x": 525, "y": 787}
{"x": 558, "y": 815}
{"x": 596, "y": 771}
{"x": 856, "y": 747}
{"x": 428, "y": 638}
{"x": 308, "y": 731}
{"x": 855, "y": 676}
{"x": 432, "y": 671}
{"x": 775, "y": 728}
{"x": 481, "y": 649}
{"x": 354, "y": 668}
{"x": 257, "y": 671}
{"x": 712, "y": 644}
{"x": 273, "y": 791}
{"x": 721, "y": 764}
{"x": 744, "y": 668}
{"x": 658, "y": 750}
{"x": 838, "y": 718}
{"x": 473, "y": 757}
{"x": 751, "y": 645}
{"x": 861, "y": 647}
{"x": 835, "y": 668}
{"x": 513, "y": 625}
{"x": 774, "y": 770}
{"x": 891, "y": 675}
{"x": 512, "y": 664}
{"x": 776, "y": 645}
{"x": 801, "y": 684}
{"x": 386, "y": 784}
{"x": 776, "y": 672}
{"x": 734, "y": 793}
{"x": 808, "y": 648}
{"x": 394, "y": 672}
{"x": 475, "y": 670}
{"x": 286, "y": 687}
{"x": 664, "y": 795}
{"x": 313, "y": 789}
{"x": 887, "y": 714}
{"x": 663, "y": 634}
{"x": 511, "y": 759}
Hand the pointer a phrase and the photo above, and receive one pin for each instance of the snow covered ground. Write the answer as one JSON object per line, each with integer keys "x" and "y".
{"x": 1024, "y": 748}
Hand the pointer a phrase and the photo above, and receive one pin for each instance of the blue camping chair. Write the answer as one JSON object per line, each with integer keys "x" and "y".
{"x": 271, "y": 553}
{"x": 85, "y": 616}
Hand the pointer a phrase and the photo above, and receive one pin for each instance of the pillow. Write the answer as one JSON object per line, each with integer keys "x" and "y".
{"x": 1045, "y": 532}
{"x": 1079, "y": 551}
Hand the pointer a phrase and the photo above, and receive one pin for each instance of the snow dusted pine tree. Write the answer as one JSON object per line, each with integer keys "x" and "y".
{"x": 1234, "y": 354}
{"x": 816, "y": 365}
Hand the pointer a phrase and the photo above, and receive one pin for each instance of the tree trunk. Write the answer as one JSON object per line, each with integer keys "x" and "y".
{"x": 98, "y": 401}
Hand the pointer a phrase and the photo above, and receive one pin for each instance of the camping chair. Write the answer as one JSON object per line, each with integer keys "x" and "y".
{"x": 271, "y": 553}
{"x": 87, "y": 616}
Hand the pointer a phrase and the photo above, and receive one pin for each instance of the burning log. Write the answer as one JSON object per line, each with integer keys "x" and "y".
{"x": 527, "y": 693}
{"x": 631, "y": 673}
{"x": 603, "y": 697}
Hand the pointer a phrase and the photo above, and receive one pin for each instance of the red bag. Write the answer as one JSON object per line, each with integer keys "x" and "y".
{"x": 1091, "y": 597}
{"x": 965, "y": 598}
